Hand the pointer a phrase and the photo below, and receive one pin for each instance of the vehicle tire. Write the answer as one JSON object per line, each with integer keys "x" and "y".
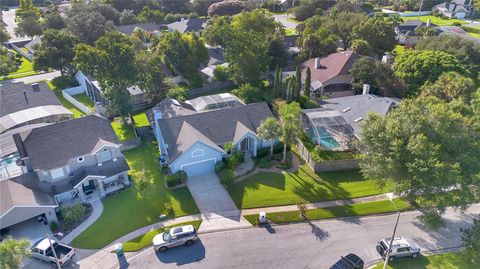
{"x": 414, "y": 255}
{"x": 162, "y": 249}
{"x": 391, "y": 259}
{"x": 189, "y": 243}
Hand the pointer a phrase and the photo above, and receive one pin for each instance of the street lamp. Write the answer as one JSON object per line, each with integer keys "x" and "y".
{"x": 53, "y": 249}
{"x": 391, "y": 198}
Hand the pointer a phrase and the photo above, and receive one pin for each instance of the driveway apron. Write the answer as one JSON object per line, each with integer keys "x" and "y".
{"x": 216, "y": 206}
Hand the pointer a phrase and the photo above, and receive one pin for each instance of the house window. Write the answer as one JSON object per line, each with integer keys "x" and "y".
{"x": 57, "y": 173}
{"x": 80, "y": 159}
{"x": 198, "y": 153}
{"x": 104, "y": 156}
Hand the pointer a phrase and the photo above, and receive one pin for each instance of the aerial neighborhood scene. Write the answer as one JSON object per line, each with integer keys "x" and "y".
{"x": 328, "y": 134}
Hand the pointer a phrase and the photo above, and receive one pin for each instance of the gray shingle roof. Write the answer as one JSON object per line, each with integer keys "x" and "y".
{"x": 359, "y": 106}
{"x": 130, "y": 28}
{"x": 188, "y": 25}
{"x": 13, "y": 194}
{"x": 52, "y": 146}
{"x": 218, "y": 126}
{"x": 12, "y": 97}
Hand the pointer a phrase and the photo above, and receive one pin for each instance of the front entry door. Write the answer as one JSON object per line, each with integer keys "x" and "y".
{"x": 244, "y": 145}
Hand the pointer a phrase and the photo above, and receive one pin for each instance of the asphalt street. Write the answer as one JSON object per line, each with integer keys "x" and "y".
{"x": 317, "y": 244}
{"x": 8, "y": 18}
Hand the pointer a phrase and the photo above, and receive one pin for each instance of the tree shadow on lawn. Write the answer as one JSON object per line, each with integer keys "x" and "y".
{"x": 318, "y": 190}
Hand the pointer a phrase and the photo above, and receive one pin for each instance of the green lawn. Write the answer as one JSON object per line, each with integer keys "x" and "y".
{"x": 436, "y": 20}
{"x": 124, "y": 131}
{"x": 76, "y": 112}
{"x": 131, "y": 209}
{"x": 25, "y": 70}
{"x": 440, "y": 261}
{"x": 274, "y": 189}
{"x": 290, "y": 32}
{"x": 145, "y": 240}
{"x": 85, "y": 100}
{"x": 362, "y": 209}
{"x": 141, "y": 120}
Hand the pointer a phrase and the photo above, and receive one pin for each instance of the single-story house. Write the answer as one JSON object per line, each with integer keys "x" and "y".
{"x": 458, "y": 9}
{"x": 91, "y": 87}
{"x": 23, "y": 104}
{"x": 191, "y": 140}
{"x": 330, "y": 75}
{"x": 76, "y": 160}
{"x": 338, "y": 120}
{"x": 192, "y": 25}
{"x": 408, "y": 33}
{"x": 217, "y": 57}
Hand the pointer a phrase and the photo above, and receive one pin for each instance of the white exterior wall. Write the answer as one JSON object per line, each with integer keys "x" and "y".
{"x": 22, "y": 213}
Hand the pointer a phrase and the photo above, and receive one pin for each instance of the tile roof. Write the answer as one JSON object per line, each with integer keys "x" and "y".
{"x": 218, "y": 126}
{"x": 52, "y": 146}
{"x": 331, "y": 67}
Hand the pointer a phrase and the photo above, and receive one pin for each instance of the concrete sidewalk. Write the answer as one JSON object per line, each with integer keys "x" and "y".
{"x": 316, "y": 205}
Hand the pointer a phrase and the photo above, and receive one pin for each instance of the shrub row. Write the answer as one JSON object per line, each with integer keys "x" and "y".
{"x": 278, "y": 148}
{"x": 176, "y": 179}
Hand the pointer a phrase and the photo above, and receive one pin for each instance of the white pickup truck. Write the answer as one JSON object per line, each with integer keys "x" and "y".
{"x": 42, "y": 250}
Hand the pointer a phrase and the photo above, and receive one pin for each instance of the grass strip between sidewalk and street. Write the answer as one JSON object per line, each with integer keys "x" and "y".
{"x": 454, "y": 260}
{"x": 145, "y": 240}
{"x": 362, "y": 209}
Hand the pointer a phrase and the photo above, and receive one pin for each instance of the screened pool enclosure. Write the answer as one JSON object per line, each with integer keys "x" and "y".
{"x": 327, "y": 128}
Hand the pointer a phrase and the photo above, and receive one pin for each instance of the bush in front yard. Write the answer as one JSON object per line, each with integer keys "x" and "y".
{"x": 265, "y": 162}
{"x": 227, "y": 176}
{"x": 71, "y": 214}
{"x": 176, "y": 179}
{"x": 278, "y": 148}
{"x": 54, "y": 226}
{"x": 64, "y": 82}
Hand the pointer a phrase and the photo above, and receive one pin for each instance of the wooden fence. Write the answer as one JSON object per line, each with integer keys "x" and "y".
{"x": 327, "y": 166}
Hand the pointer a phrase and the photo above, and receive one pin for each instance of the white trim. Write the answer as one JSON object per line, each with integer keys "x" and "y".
{"x": 201, "y": 153}
{"x": 20, "y": 206}
{"x": 176, "y": 159}
{"x": 192, "y": 163}
{"x": 112, "y": 145}
{"x": 85, "y": 178}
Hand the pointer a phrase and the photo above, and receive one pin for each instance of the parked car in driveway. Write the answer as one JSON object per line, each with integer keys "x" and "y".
{"x": 351, "y": 261}
{"x": 177, "y": 236}
{"x": 401, "y": 247}
{"x": 42, "y": 250}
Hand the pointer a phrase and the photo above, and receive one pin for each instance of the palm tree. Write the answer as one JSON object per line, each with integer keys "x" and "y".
{"x": 290, "y": 124}
{"x": 12, "y": 252}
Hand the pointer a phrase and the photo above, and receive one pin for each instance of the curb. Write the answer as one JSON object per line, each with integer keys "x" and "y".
{"x": 373, "y": 264}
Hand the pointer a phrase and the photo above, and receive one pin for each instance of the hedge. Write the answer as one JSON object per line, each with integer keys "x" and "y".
{"x": 278, "y": 148}
{"x": 176, "y": 179}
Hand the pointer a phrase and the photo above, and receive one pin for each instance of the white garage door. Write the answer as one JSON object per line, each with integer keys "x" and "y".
{"x": 195, "y": 169}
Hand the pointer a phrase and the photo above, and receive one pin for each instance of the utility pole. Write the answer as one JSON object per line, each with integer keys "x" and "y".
{"x": 54, "y": 253}
{"x": 420, "y": 10}
{"x": 391, "y": 197}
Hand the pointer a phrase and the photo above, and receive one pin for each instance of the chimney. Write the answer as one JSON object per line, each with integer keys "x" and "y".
{"x": 317, "y": 63}
{"x": 366, "y": 89}
{"x": 36, "y": 87}
{"x": 25, "y": 95}
{"x": 429, "y": 22}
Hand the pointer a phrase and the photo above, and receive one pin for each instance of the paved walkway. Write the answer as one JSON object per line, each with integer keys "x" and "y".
{"x": 316, "y": 205}
{"x": 217, "y": 207}
{"x": 247, "y": 166}
{"x": 97, "y": 207}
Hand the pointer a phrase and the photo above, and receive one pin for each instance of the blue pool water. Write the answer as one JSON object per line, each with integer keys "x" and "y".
{"x": 326, "y": 140}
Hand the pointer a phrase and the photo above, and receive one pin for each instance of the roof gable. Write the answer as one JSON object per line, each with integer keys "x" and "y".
{"x": 333, "y": 65}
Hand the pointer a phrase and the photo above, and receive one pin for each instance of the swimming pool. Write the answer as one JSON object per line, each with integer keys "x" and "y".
{"x": 326, "y": 140}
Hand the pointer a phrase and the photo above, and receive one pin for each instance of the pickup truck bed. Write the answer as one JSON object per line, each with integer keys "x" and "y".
{"x": 60, "y": 250}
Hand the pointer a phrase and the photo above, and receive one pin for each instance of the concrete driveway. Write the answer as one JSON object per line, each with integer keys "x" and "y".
{"x": 215, "y": 204}
{"x": 283, "y": 19}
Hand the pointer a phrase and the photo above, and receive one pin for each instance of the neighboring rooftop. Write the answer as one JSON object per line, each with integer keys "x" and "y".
{"x": 356, "y": 107}
{"x": 213, "y": 128}
{"x": 217, "y": 56}
{"x": 188, "y": 25}
{"x": 332, "y": 69}
{"x": 51, "y": 146}
{"x": 31, "y": 45}
{"x": 130, "y": 28}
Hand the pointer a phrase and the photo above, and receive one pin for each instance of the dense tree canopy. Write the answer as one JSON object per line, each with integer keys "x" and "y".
{"x": 465, "y": 50}
{"x": 54, "y": 20}
{"x": 201, "y": 6}
{"x": 87, "y": 23}
{"x": 7, "y": 63}
{"x": 183, "y": 54}
{"x": 417, "y": 67}
{"x": 449, "y": 86}
{"x": 112, "y": 61}
{"x": 424, "y": 148}
{"x": 28, "y": 26}
{"x": 226, "y": 7}
{"x": 55, "y": 51}
{"x": 378, "y": 33}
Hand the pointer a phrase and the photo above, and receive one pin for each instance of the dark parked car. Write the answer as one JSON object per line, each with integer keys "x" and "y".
{"x": 351, "y": 261}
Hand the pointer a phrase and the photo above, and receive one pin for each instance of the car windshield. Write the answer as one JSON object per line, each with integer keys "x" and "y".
{"x": 167, "y": 236}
